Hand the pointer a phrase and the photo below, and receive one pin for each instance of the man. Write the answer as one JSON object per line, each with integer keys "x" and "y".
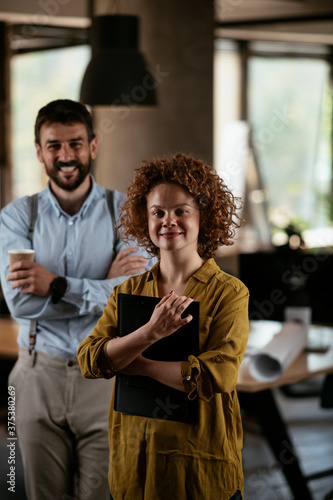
{"x": 61, "y": 417}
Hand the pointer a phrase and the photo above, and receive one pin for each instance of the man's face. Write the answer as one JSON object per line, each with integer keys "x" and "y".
{"x": 66, "y": 153}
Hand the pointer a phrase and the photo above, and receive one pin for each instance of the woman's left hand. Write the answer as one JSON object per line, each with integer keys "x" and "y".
{"x": 166, "y": 372}
{"x": 136, "y": 367}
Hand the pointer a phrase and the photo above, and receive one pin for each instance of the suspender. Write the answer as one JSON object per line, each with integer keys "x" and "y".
{"x": 109, "y": 200}
{"x": 33, "y": 217}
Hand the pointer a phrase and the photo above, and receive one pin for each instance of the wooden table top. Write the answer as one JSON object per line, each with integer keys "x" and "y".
{"x": 307, "y": 365}
{"x": 8, "y": 337}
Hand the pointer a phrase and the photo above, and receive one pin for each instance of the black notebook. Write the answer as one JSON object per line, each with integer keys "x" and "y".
{"x": 144, "y": 396}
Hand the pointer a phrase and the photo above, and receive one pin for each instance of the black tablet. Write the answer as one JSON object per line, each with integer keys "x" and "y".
{"x": 144, "y": 396}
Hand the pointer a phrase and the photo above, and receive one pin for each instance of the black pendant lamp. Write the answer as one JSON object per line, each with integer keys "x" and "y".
{"x": 117, "y": 74}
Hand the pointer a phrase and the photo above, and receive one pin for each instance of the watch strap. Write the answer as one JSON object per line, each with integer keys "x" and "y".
{"x": 58, "y": 288}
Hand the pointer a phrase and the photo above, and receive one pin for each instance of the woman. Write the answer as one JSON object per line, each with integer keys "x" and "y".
{"x": 181, "y": 211}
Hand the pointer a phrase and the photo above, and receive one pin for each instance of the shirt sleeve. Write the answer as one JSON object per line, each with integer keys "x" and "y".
{"x": 216, "y": 369}
{"x": 90, "y": 296}
{"x": 92, "y": 356}
{"x": 14, "y": 232}
{"x": 83, "y": 296}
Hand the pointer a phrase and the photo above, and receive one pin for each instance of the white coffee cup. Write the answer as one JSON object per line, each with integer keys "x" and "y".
{"x": 18, "y": 254}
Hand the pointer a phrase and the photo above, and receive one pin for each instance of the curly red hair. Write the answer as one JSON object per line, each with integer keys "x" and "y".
{"x": 218, "y": 206}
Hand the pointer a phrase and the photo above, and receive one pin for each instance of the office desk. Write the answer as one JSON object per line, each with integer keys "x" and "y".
{"x": 258, "y": 398}
{"x": 8, "y": 337}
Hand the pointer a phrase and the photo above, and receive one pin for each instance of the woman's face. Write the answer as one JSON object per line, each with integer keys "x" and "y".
{"x": 173, "y": 218}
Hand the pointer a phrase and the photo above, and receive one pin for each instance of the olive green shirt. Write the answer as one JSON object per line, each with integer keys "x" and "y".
{"x": 163, "y": 459}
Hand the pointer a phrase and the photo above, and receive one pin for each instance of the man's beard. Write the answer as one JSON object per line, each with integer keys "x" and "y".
{"x": 82, "y": 170}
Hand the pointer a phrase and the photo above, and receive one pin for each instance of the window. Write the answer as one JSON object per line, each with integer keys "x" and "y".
{"x": 289, "y": 115}
{"x": 37, "y": 78}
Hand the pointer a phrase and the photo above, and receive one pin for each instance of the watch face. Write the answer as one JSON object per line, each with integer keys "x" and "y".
{"x": 59, "y": 286}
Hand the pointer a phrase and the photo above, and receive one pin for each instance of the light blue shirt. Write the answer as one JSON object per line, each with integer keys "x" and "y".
{"x": 78, "y": 247}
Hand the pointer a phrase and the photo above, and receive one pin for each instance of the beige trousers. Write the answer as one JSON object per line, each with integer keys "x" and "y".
{"x": 62, "y": 428}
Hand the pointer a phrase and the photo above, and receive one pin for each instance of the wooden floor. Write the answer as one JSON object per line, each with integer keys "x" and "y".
{"x": 310, "y": 427}
{"x": 311, "y": 430}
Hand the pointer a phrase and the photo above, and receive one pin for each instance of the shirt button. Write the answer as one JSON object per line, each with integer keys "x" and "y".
{"x": 188, "y": 377}
{"x": 218, "y": 359}
{"x": 71, "y": 223}
{"x": 108, "y": 371}
{"x": 70, "y": 253}
{"x": 70, "y": 363}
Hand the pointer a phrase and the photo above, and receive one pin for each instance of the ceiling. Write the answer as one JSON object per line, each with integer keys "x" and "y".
{"x": 288, "y": 20}
{"x": 309, "y": 21}
{"x": 232, "y": 11}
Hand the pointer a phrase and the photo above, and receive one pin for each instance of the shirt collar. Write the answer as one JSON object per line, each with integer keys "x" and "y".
{"x": 153, "y": 272}
{"x": 206, "y": 271}
{"x": 90, "y": 198}
{"x": 203, "y": 274}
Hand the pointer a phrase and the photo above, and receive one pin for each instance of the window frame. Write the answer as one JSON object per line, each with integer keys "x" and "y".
{"x": 19, "y": 39}
{"x": 249, "y": 48}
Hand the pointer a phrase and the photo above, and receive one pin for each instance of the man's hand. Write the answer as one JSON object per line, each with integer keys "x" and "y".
{"x": 30, "y": 277}
{"x": 126, "y": 264}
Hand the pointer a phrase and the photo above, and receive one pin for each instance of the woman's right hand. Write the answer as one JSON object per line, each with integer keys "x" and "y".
{"x": 165, "y": 320}
{"x": 167, "y": 315}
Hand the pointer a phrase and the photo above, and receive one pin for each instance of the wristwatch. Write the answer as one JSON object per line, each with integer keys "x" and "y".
{"x": 58, "y": 288}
